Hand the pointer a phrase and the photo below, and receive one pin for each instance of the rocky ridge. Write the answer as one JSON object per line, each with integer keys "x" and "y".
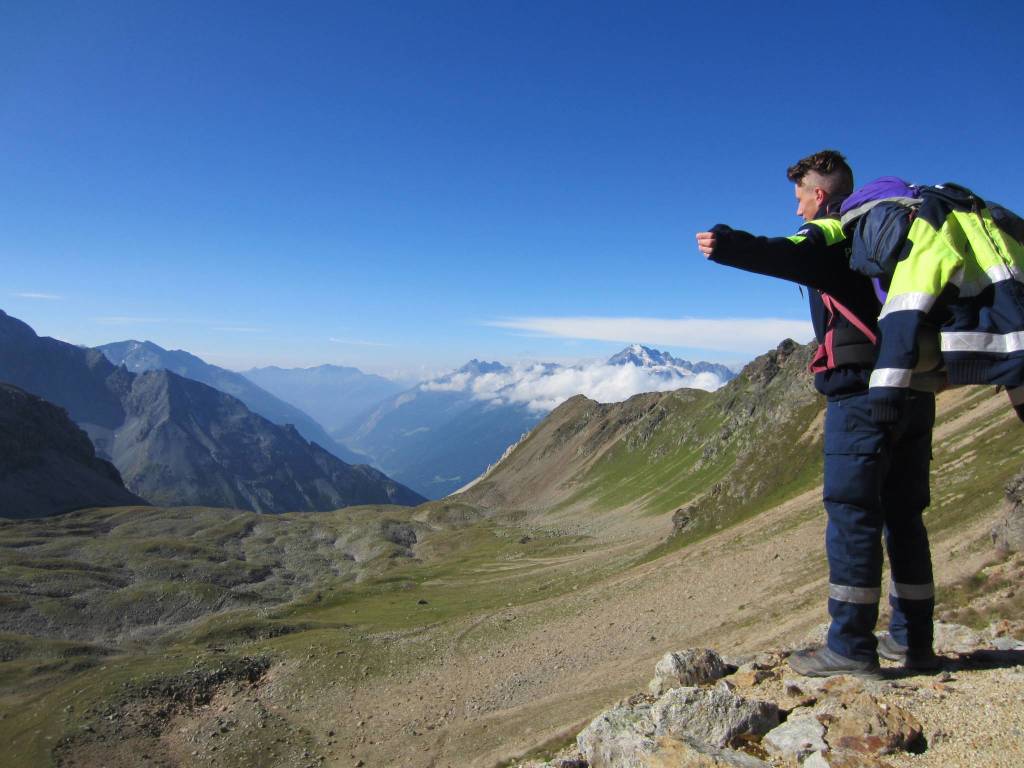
{"x": 719, "y": 452}
{"x": 142, "y": 356}
{"x": 184, "y": 443}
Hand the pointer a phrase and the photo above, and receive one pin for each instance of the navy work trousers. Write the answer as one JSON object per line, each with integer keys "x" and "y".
{"x": 876, "y": 485}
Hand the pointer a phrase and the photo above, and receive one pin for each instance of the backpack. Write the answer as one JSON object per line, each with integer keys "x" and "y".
{"x": 877, "y": 219}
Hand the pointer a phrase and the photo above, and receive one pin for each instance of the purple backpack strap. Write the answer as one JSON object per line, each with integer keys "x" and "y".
{"x": 880, "y": 294}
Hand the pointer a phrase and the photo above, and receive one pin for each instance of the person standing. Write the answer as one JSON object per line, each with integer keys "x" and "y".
{"x": 875, "y": 472}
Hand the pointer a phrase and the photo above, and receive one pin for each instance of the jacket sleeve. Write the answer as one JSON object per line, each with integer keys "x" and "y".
{"x": 932, "y": 263}
{"x": 808, "y": 257}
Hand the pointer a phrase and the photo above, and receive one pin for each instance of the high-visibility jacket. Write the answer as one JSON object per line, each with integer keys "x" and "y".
{"x": 962, "y": 268}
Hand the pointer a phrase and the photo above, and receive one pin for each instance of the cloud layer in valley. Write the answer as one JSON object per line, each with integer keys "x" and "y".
{"x": 544, "y": 387}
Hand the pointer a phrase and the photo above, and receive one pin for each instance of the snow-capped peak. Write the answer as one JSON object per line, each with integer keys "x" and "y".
{"x": 644, "y": 357}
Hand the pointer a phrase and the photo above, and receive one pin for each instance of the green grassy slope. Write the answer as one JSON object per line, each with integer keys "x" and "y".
{"x": 250, "y": 591}
{"x": 724, "y": 455}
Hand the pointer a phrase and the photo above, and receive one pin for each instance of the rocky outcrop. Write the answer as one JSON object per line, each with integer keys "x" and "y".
{"x": 1008, "y": 534}
{"x": 47, "y": 464}
{"x": 714, "y": 716}
{"x": 852, "y": 719}
{"x": 758, "y": 713}
{"x": 762, "y": 369}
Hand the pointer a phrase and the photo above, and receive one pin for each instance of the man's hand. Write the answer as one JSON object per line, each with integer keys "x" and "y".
{"x": 706, "y": 243}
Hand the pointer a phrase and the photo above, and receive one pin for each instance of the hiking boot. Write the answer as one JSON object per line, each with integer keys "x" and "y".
{"x": 824, "y": 662}
{"x": 920, "y": 659}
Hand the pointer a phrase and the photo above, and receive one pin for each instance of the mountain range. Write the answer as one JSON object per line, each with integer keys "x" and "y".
{"x": 178, "y": 441}
{"x": 720, "y": 451}
{"x": 141, "y": 356}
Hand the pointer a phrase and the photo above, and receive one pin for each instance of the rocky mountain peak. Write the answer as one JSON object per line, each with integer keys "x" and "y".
{"x": 764, "y": 368}
{"x": 479, "y": 367}
{"x": 13, "y": 328}
{"x": 647, "y": 357}
{"x": 642, "y": 357}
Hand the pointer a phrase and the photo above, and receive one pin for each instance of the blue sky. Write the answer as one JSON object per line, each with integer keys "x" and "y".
{"x": 402, "y": 186}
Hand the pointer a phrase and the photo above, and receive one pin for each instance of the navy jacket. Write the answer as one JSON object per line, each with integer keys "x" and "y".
{"x": 818, "y": 257}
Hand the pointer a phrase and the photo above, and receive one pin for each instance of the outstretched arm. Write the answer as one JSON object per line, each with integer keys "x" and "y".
{"x": 814, "y": 257}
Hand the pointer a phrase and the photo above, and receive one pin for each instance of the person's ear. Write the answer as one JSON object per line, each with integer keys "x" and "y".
{"x": 819, "y": 195}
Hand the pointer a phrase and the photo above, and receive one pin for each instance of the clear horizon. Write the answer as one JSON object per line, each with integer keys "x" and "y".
{"x": 411, "y": 376}
{"x": 401, "y": 187}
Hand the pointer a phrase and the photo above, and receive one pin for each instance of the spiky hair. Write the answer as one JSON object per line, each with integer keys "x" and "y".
{"x": 832, "y": 168}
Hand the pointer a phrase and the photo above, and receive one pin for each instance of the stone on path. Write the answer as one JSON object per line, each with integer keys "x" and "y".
{"x": 797, "y": 738}
{"x": 1008, "y": 533}
{"x": 843, "y": 760}
{"x": 693, "y": 666}
{"x": 858, "y": 721}
{"x": 956, "y": 638}
{"x": 619, "y": 737}
{"x": 674, "y": 753}
{"x": 712, "y": 716}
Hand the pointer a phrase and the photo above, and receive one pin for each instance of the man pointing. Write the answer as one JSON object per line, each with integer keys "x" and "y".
{"x": 876, "y": 475}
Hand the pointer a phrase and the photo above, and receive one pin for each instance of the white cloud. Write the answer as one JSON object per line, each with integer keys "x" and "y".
{"x": 543, "y": 388}
{"x": 736, "y": 335}
{"x": 40, "y": 296}
{"x": 457, "y": 382}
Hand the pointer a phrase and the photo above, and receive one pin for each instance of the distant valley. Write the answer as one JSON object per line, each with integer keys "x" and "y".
{"x": 334, "y": 395}
{"x": 443, "y": 433}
